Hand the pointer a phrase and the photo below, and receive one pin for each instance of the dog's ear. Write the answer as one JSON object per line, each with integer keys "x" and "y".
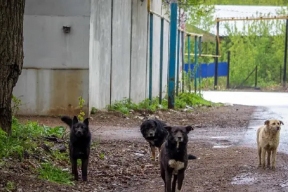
{"x": 189, "y": 128}
{"x": 281, "y": 122}
{"x": 168, "y": 128}
{"x": 86, "y": 122}
{"x": 75, "y": 120}
{"x": 67, "y": 120}
{"x": 266, "y": 122}
{"x": 155, "y": 123}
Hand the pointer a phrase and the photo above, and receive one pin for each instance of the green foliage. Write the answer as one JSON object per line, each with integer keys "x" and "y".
{"x": 191, "y": 99}
{"x": 10, "y": 186}
{"x": 23, "y": 138}
{"x": 52, "y": 173}
{"x": 27, "y": 139}
{"x": 81, "y": 103}
{"x": 257, "y": 46}
{"x": 93, "y": 110}
{"x": 16, "y": 103}
{"x": 123, "y": 106}
{"x": 126, "y": 105}
{"x": 102, "y": 156}
{"x": 248, "y": 2}
{"x": 182, "y": 101}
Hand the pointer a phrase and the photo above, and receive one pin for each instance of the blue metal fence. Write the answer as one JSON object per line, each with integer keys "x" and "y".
{"x": 207, "y": 70}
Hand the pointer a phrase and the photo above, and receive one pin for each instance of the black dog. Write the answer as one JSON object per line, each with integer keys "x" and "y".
{"x": 79, "y": 144}
{"x": 153, "y": 131}
{"x": 173, "y": 157}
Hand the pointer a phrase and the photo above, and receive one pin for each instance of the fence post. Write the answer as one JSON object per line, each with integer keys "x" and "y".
{"x": 228, "y": 70}
{"x": 285, "y": 54}
{"x": 216, "y": 58}
{"x": 178, "y": 61}
{"x": 195, "y": 64}
{"x": 189, "y": 64}
{"x": 150, "y": 56}
{"x": 183, "y": 60}
{"x": 173, "y": 33}
{"x": 200, "y": 71}
{"x": 161, "y": 58}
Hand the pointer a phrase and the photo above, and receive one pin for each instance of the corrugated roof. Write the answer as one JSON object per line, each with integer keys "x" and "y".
{"x": 244, "y": 11}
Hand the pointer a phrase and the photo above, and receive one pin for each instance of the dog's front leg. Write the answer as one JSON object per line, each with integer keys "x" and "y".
{"x": 84, "y": 167}
{"x": 180, "y": 180}
{"x": 259, "y": 156}
{"x": 158, "y": 155}
{"x": 152, "y": 152}
{"x": 273, "y": 158}
{"x": 174, "y": 182}
{"x": 168, "y": 177}
{"x": 268, "y": 158}
{"x": 74, "y": 168}
{"x": 263, "y": 155}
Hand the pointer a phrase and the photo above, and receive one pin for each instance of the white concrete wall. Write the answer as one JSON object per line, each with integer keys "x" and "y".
{"x": 55, "y": 71}
{"x": 103, "y": 59}
{"x": 100, "y": 53}
{"x": 139, "y": 50}
{"x": 121, "y": 50}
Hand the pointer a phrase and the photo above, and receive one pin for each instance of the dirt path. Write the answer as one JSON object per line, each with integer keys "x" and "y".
{"x": 120, "y": 159}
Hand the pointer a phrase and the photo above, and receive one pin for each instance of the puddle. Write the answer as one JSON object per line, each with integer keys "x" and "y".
{"x": 219, "y": 137}
{"x": 221, "y": 146}
{"x": 284, "y": 184}
{"x": 244, "y": 179}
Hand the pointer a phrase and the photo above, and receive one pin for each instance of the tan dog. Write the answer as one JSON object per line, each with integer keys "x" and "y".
{"x": 268, "y": 141}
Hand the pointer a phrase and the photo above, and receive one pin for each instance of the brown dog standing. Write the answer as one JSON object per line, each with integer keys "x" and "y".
{"x": 268, "y": 137}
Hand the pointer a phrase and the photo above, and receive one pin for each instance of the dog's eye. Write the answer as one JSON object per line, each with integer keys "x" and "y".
{"x": 273, "y": 123}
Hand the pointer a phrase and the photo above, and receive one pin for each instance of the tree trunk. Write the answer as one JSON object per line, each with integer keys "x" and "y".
{"x": 11, "y": 55}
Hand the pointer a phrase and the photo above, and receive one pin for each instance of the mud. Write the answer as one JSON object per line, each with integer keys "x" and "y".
{"x": 222, "y": 140}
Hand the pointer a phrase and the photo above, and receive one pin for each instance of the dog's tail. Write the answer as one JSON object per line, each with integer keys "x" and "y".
{"x": 190, "y": 157}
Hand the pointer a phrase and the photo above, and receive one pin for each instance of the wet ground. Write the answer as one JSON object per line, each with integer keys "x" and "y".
{"x": 269, "y": 105}
{"x": 224, "y": 139}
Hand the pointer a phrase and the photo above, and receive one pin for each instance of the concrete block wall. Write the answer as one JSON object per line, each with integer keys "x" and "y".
{"x": 139, "y": 51}
{"x": 56, "y": 64}
{"x": 105, "y": 57}
{"x": 100, "y": 53}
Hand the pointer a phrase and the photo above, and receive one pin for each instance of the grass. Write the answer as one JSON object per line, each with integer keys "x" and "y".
{"x": 10, "y": 186}
{"x": 183, "y": 100}
{"x": 52, "y": 173}
{"x": 27, "y": 139}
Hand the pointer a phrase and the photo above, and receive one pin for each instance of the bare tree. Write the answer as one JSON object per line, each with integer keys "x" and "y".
{"x": 11, "y": 55}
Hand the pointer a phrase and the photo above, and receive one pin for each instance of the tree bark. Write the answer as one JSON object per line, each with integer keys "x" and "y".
{"x": 11, "y": 55}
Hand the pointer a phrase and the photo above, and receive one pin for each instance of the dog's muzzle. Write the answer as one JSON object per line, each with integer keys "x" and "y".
{"x": 79, "y": 133}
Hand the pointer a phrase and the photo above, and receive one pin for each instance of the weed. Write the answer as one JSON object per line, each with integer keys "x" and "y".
{"x": 81, "y": 103}
{"x": 16, "y": 103}
{"x": 124, "y": 106}
{"x": 93, "y": 110}
{"x": 63, "y": 157}
{"x": 102, "y": 156}
{"x": 191, "y": 99}
{"x": 10, "y": 186}
{"x": 181, "y": 101}
{"x": 54, "y": 174}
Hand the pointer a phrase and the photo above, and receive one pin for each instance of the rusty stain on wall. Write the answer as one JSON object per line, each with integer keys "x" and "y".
{"x": 66, "y": 87}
